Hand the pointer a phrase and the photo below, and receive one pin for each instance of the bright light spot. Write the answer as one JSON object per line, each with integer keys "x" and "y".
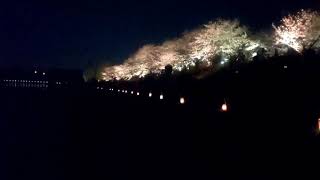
{"x": 222, "y": 62}
{"x": 126, "y": 91}
{"x": 224, "y": 107}
{"x": 104, "y": 74}
{"x": 35, "y": 72}
{"x": 138, "y": 94}
{"x": 118, "y": 90}
{"x": 285, "y": 67}
{"x": 131, "y": 92}
{"x": 254, "y": 54}
{"x": 182, "y": 100}
{"x": 150, "y": 94}
{"x": 44, "y": 73}
{"x": 161, "y": 97}
{"x": 252, "y": 47}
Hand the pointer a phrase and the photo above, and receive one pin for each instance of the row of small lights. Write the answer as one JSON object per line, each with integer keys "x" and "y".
{"x": 25, "y": 81}
{"x": 36, "y": 72}
{"x": 150, "y": 95}
{"x": 224, "y": 107}
{"x": 25, "y": 85}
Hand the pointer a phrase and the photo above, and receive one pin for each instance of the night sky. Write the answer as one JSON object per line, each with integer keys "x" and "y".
{"x": 70, "y": 34}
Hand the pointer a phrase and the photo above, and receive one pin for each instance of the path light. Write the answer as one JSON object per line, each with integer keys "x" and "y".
{"x": 161, "y": 97}
{"x": 224, "y": 107}
{"x": 182, "y": 100}
{"x": 150, "y": 94}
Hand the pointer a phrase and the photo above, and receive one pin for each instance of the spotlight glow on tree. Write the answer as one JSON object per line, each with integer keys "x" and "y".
{"x": 216, "y": 44}
{"x": 298, "y": 31}
{"x": 220, "y": 38}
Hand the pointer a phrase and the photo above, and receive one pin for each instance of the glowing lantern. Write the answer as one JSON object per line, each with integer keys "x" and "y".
{"x": 182, "y": 100}
{"x": 161, "y": 97}
{"x": 150, "y": 94}
{"x": 224, "y": 107}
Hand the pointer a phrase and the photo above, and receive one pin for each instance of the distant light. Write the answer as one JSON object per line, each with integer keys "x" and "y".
{"x": 161, "y": 97}
{"x": 126, "y": 91}
{"x": 222, "y": 62}
{"x": 35, "y": 72}
{"x": 138, "y": 94}
{"x": 44, "y": 73}
{"x": 118, "y": 90}
{"x": 131, "y": 92}
{"x": 285, "y": 67}
{"x": 182, "y": 100}
{"x": 224, "y": 107}
{"x": 98, "y": 88}
{"x": 254, "y": 54}
{"x": 150, "y": 94}
{"x": 104, "y": 74}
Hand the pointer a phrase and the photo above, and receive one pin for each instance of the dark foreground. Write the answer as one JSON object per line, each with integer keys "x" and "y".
{"x": 270, "y": 130}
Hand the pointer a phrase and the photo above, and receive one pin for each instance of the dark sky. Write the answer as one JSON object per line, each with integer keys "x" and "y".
{"x": 69, "y": 34}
